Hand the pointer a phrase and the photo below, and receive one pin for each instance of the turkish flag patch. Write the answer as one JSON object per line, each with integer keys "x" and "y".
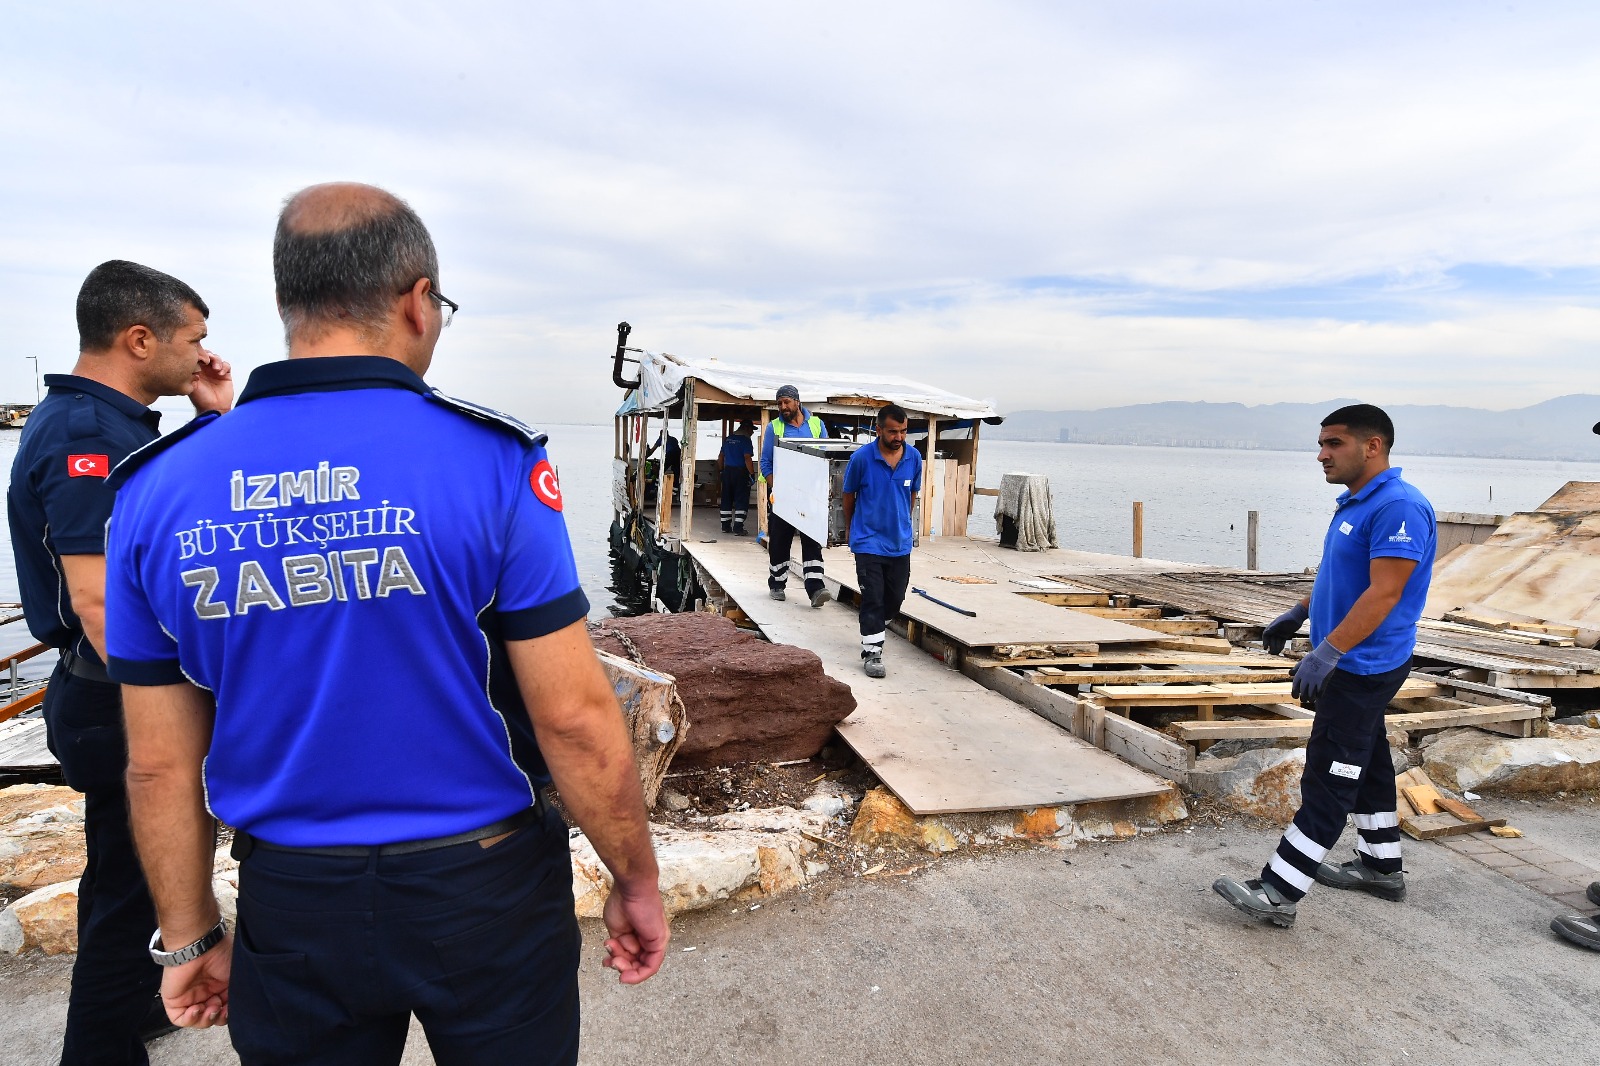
{"x": 88, "y": 466}
{"x": 545, "y": 485}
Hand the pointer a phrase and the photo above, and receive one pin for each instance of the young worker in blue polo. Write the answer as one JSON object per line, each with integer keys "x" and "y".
{"x": 1377, "y": 559}
{"x": 348, "y": 623}
{"x": 737, "y": 462}
{"x": 140, "y": 336}
{"x": 792, "y": 421}
{"x": 880, "y": 484}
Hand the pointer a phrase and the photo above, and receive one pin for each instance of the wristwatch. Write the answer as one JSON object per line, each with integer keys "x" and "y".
{"x": 190, "y": 953}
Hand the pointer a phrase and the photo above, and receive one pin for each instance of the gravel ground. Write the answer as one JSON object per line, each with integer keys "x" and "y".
{"x": 1107, "y": 953}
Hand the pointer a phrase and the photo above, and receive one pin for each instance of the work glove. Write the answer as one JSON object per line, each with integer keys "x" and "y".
{"x": 1310, "y": 675}
{"x": 1283, "y": 628}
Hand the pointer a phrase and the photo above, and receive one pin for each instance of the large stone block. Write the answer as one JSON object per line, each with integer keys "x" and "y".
{"x": 747, "y": 700}
{"x": 1264, "y": 782}
{"x": 41, "y": 836}
{"x": 48, "y": 919}
{"x": 1569, "y": 758}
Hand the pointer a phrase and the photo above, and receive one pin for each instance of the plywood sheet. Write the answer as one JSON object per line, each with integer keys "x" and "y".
{"x": 23, "y": 745}
{"x": 937, "y": 739}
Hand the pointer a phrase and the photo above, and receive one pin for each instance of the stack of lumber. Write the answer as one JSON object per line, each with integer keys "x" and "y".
{"x": 1498, "y": 648}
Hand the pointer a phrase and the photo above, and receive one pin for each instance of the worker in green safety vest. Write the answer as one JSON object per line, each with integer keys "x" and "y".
{"x": 792, "y": 421}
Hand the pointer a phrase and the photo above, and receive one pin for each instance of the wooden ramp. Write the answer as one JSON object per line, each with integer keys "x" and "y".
{"x": 938, "y": 740}
{"x": 23, "y": 751}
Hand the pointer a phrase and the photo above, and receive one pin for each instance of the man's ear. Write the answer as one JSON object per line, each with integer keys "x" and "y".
{"x": 138, "y": 340}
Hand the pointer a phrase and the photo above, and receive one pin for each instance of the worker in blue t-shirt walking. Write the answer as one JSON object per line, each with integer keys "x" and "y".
{"x": 737, "y": 461}
{"x": 880, "y": 484}
{"x": 1377, "y": 559}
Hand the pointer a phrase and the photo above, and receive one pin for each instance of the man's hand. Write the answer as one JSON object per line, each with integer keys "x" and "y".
{"x": 195, "y": 994}
{"x": 1284, "y": 627}
{"x": 1310, "y": 675}
{"x": 213, "y": 385}
{"x": 639, "y": 934}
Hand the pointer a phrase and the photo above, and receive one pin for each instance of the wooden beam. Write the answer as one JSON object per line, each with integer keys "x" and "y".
{"x": 1265, "y": 692}
{"x": 26, "y": 703}
{"x": 1051, "y": 675}
{"x": 1145, "y": 747}
{"x": 1273, "y": 729}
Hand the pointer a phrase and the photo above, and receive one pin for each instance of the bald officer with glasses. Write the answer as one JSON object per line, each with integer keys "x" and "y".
{"x": 348, "y": 622}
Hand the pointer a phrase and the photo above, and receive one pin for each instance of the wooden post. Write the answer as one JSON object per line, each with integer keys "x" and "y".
{"x": 691, "y": 438}
{"x": 1138, "y": 529}
{"x": 641, "y": 427}
{"x": 927, "y": 479}
{"x": 1252, "y": 527}
{"x": 761, "y": 485}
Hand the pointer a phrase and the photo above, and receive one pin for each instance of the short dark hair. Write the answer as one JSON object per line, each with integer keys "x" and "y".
{"x": 891, "y": 412}
{"x": 349, "y": 274}
{"x": 118, "y": 294}
{"x": 1364, "y": 420}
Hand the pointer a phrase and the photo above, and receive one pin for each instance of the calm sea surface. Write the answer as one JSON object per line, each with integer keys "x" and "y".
{"x": 1195, "y": 499}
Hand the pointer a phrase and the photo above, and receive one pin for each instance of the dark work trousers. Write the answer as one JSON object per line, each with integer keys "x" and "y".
{"x": 114, "y": 982}
{"x": 1348, "y": 772}
{"x": 735, "y": 497}
{"x": 780, "y": 539}
{"x": 335, "y": 954}
{"x": 883, "y": 580}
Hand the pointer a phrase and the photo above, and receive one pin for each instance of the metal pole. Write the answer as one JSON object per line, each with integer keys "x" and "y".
{"x": 1253, "y": 528}
{"x": 1138, "y": 529}
{"x": 38, "y": 397}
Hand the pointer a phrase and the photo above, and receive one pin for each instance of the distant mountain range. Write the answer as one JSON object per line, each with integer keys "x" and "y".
{"x": 1554, "y": 429}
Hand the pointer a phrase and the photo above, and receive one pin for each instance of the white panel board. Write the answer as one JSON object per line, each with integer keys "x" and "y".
{"x": 800, "y": 498}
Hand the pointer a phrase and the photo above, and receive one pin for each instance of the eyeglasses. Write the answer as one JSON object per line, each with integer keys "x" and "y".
{"x": 444, "y": 301}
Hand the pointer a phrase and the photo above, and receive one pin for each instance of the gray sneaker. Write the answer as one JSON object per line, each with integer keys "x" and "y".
{"x": 1356, "y": 874}
{"x": 1578, "y": 929}
{"x": 777, "y": 594}
{"x": 874, "y": 666}
{"x": 820, "y": 597}
{"x": 1258, "y": 900}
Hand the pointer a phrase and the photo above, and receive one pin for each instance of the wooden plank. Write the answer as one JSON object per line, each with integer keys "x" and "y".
{"x": 24, "y": 747}
{"x": 1265, "y": 692}
{"x": 1457, "y": 808}
{"x": 1140, "y": 656}
{"x": 1424, "y": 798}
{"x": 1183, "y": 627}
{"x": 1075, "y": 599}
{"x": 1504, "y": 695}
{"x": 26, "y": 703}
{"x": 1431, "y": 826}
{"x": 1270, "y": 729}
{"x": 1146, "y": 747}
{"x": 1140, "y": 677}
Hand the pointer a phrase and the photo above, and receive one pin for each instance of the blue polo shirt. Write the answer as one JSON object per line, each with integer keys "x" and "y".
{"x": 341, "y": 561}
{"x": 881, "y": 523}
{"x": 58, "y": 501}
{"x": 1388, "y": 518}
{"x": 736, "y": 449}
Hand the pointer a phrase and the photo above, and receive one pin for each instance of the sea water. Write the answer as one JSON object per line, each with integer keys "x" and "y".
{"x": 1195, "y": 501}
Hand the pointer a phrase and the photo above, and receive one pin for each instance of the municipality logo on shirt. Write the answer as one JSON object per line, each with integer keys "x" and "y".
{"x": 1399, "y": 536}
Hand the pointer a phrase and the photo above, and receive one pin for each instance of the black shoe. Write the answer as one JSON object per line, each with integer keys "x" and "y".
{"x": 727, "y": 528}
{"x": 1578, "y": 929}
{"x": 1594, "y": 893}
{"x": 1357, "y": 875}
{"x": 156, "y": 1023}
{"x": 738, "y": 531}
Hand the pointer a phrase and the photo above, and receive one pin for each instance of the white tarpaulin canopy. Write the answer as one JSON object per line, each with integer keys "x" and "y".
{"x": 661, "y": 378}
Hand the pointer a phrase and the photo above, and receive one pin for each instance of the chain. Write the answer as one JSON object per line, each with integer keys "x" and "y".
{"x": 632, "y": 649}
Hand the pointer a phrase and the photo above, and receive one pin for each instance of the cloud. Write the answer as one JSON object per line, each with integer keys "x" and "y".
{"x": 1049, "y": 204}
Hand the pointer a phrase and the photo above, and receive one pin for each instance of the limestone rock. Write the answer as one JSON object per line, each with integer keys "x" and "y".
{"x": 747, "y": 700}
{"x": 1567, "y": 759}
{"x": 883, "y": 821}
{"x": 699, "y": 869}
{"x": 48, "y": 918}
{"x": 11, "y": 938}
{"x": 1264, "y": 781}
{"x": 41, "y": 836}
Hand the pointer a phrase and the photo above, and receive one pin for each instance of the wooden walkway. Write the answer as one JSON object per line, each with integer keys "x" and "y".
{"x": 938, "y": 740}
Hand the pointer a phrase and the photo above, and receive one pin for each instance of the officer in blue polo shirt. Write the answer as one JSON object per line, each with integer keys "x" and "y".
{"x": 881, "y": 482}
{"x": 737, "y": 463}
{"x": 141, "y": 335}
{"x": 1377, "y": 559}
{"x": 348, "y": 622}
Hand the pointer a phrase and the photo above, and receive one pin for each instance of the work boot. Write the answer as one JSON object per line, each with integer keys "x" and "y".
{"x": 1257, "y": 899}
{"x": 156, "y": 1023}
{"x": 727, "y": 528}
{"x": 820, "y": 597}
{"x": 738, "y": 531}
{"x": 1357, "y": 874}
{"x": 1594, "y": 893}
{"x": 873, "y": 665}
{"x": 1578, "y": 929}
{"x": 777, "y": 594}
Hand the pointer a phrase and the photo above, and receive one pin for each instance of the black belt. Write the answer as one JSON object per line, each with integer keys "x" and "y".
{"x": 244, "y": 843}
{"x": 87, "y": 669}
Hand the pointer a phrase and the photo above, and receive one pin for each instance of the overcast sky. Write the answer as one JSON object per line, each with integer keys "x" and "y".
{"x": 1042, "y": 204}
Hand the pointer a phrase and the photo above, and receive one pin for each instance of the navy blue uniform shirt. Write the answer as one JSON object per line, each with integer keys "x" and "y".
{"x": 1388, "y": 518}
{"x": 58, "y": 502}
{"x": 736, "y": 449}
{"x": 881, "y": 522}
{"x": 341, "y": 561}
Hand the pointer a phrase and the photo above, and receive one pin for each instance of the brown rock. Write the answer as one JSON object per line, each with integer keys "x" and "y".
{"x": 49, "y": 919}
{"x": 883, "y": 819}
{"x": 747, "y": 700}
{"x": 41, "y": 836}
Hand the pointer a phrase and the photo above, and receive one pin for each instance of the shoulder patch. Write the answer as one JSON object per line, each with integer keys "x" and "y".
{"x": 129, "y": 466}
{"x": 489, "y": 416}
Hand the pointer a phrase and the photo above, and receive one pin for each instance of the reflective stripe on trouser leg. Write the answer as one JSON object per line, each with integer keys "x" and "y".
{"x": 811, "y": 559}
{"x": 872, "y": 645}
{"x": 1378, "y": 843}
{"x": 1347, "y": 768}
{"x": 777, "y": 575}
